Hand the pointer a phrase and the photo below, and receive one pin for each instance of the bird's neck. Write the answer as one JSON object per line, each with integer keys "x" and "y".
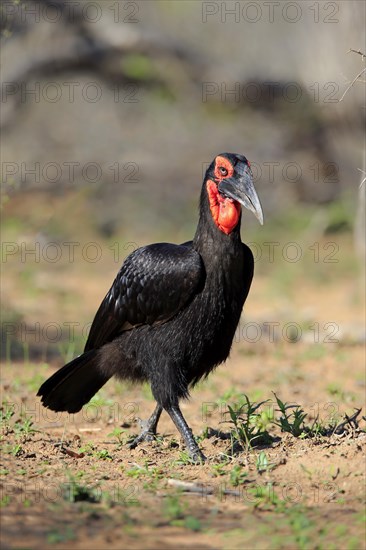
{"x": 209, "y": 240}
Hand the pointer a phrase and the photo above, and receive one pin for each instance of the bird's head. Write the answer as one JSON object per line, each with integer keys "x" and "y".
{"x": 229, "y": 185}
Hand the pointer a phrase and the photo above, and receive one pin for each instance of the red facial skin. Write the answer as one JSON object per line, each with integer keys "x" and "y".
{"x": 225, "y": 212}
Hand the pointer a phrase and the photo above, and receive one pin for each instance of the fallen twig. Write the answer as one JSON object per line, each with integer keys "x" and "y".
{"x": 191, "y": 487}
{"x": 71, "y": 453}
{"x": 349, "y": 421}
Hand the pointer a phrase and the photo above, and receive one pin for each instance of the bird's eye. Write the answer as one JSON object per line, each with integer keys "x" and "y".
{"x": 223, "y": 171}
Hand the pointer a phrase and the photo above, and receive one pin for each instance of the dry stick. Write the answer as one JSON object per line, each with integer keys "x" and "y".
{"x": 190, "y": 487}
{"x": 359, "y": 74}
{"x": 348, "y": 421}
{"x": 352, "y": 83}
{"x": 357, "y": 51}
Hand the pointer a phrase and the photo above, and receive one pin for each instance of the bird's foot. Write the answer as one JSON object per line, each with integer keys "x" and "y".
{"x": 197, "y": 455}
{"x": 145, "y": 435}
{"x": 185, "y": 431}
{"x": 148, "y": 428}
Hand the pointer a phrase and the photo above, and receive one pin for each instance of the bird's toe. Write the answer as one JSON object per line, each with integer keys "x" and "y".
{"x": 197, "y": 456}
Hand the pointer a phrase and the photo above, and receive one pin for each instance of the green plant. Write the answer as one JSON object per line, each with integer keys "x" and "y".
{"x": 301, "y": 526}
{"x": 87, "y": 449}
{"x": 184, "y": 459}
{"x": 118, "y": 432}
{"x": 73, "y": 491}
{"x": 205, "y": 434}
{"x": 175, "y": 513}
{"x": 173, "y": 508}
{"x": 6, "y": 413}
{"x": 262, "y": 464}
{"x": 146, "y": 470}
{"x": 103, "y": 454}
{"x": 248, "y": 424}
{"x": 24, "y": 428}
{"x": 16, "y": 450}
{"x": 192, "y": 523}
{"x": 218, "y": 470}
{"x": 238, "y": 476}
{"x": 264, "y": 497}
{"x": 292, "y": 422}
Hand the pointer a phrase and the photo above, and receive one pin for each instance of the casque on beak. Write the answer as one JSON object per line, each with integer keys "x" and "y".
{"x": 240, "y": 187}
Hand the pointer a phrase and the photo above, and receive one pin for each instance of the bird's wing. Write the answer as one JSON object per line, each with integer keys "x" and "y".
{"x": 154, "y": 283}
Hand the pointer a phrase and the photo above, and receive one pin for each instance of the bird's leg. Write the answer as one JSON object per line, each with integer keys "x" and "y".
{"x": 148, "y": 428}
{"x": 186, "y": 432}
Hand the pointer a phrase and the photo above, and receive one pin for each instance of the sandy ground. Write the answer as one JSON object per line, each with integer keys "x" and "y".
{"x": 70, "y": 481}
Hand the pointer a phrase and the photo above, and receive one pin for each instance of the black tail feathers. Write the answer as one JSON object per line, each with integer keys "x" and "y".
{"x": 73, "y": 385}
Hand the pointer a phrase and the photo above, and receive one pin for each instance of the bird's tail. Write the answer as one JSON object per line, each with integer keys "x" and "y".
{"x": 73, "y": 385}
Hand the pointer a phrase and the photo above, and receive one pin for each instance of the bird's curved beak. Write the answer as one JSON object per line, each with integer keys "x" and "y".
{"x": 240, "y": 187}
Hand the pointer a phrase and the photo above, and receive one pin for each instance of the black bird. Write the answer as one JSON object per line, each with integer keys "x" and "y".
{"x": 172, "y": 311}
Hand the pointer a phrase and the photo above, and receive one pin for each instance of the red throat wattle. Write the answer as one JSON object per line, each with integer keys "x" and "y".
{"x": 225, "y": 212}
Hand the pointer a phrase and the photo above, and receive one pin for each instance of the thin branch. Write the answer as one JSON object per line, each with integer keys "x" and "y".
{"x": 350, "y": 421}
{"x": 357, "y": 51}
{"x": 364, "y": 179}
{"x": 201, "y": 489}
{"x": 352, "y": 83}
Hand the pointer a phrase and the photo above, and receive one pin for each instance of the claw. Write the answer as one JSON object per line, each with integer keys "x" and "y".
{"x": 143, "y": 436}
{"x": 148, "y": 431}
{"x": 197, "y": 456}
{"x": 186, "y": 433}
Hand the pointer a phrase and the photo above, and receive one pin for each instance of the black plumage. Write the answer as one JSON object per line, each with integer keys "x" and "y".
{"x": 172, "y": 311}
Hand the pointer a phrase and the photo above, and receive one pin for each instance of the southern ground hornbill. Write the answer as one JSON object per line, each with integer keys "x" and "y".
{"x": 172, "y": 311}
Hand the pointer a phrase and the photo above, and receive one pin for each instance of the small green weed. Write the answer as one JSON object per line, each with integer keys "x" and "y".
{"x": 146, "y": 470}
{"x": 292, "y": 422}
{"x": 15, "y": 450}
{"x": 103, "y": 454}
{"x": 192, "y": 523}
{"x": 238, "y": 476}
{"x": 264, "y": 497}
{"x": 184, "y": 459}
{"x": 262, "y": 464}
{"x": 248, "y": 424}
{"x": 173, "y": 508}
{"x": 6, "y": 413}
{"x": 118, "y": 433}
{"x": 24, "y": 428}
{"x": 74, "y": 491}
{"x": 218, "y": 470}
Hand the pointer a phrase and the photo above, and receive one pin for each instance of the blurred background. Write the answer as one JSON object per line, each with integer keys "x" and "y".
{"x": 111, "y": 113}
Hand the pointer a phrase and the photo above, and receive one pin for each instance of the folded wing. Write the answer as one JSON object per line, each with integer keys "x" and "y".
{"x": 154, "y": 283}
